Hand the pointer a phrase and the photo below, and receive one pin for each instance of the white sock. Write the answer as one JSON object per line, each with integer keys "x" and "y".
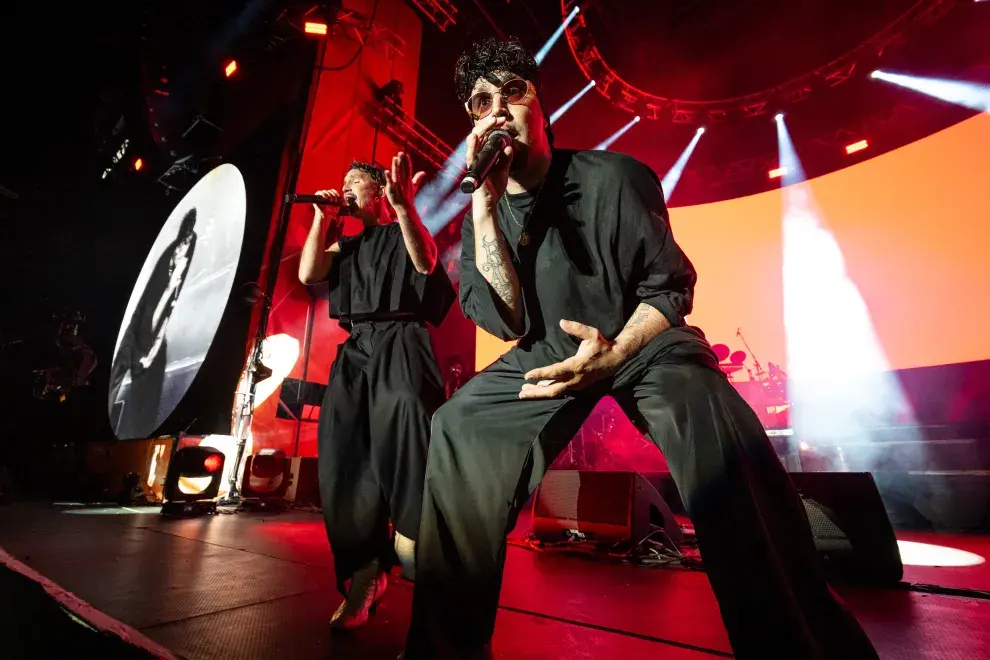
{"x": 405, "y": 548}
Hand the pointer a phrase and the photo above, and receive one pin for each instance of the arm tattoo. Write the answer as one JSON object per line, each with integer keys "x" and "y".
{"x": 645, "y": 324}
{"x": 640, "y": 316}
{"x": 495, "y": 266}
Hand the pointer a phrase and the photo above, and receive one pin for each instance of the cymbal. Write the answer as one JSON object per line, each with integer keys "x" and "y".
{"x": 721, "y": 352}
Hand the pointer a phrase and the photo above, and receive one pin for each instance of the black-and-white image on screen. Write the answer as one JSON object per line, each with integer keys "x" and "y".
{"x": 177, "y": 303}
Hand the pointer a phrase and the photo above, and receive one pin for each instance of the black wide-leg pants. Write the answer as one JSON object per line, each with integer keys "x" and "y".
{"x": 374, "y": 430}
{"x": 489, "y": 450}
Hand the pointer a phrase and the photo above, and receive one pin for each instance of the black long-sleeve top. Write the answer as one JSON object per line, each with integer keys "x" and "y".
{"x": 599, "y": 244}
{"x": 373, "y": 276}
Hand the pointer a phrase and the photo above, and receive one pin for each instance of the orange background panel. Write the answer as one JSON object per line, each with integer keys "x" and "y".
{"x": 914, "y": 229}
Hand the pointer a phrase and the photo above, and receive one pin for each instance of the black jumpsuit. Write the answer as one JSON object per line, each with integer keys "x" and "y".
{"x": 599, "y": 244}
{"x": 384, "y": 386}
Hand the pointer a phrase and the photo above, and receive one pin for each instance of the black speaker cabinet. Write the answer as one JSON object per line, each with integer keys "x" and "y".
{"x": 852, "y": 531}
{"x": 602, "y": 506}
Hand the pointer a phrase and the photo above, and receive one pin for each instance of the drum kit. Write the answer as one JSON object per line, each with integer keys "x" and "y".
{"x": 765, "y": 391}
{"x": 608, "y": 441}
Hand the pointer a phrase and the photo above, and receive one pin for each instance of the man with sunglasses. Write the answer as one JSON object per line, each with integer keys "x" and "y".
{"x": 571, "y": 254}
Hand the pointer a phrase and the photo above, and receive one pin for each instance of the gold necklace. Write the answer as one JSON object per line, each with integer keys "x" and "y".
{"x": 524, "y": 236}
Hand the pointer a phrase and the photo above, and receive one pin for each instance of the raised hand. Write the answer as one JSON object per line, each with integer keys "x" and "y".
{"x": 498, "y": 178}
{"x": 401, "y": 184}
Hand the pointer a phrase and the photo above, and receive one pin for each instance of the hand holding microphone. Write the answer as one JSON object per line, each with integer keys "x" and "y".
{"x": 324, "y": 198}
{"x": 335, "y": 203}
{"x": 489, "y": 153}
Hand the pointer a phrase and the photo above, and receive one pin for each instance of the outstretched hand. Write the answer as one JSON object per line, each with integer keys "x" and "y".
{"x": 401, "y": 184}
{"x": 596, "y": 359}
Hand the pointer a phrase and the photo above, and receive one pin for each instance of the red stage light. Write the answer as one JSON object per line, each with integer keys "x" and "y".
{"x": 857, "y": 146}
{"x": 138, "y": 164}
{"x": 213, "y": 462}
{"x": 231, "y": 67}
{"x": 312, "y": 27}
{"x": 777, "y": 173}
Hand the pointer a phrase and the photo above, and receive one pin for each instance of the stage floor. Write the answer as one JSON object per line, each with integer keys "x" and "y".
{"x": 245, "y": 586}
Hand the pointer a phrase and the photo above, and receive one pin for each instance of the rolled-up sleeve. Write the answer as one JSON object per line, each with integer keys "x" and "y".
{"x": 658, "y": 272}
{"x": 479, "y": 302}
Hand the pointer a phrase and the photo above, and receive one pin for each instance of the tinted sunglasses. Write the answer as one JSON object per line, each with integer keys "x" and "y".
{"x": 479, "y": 105}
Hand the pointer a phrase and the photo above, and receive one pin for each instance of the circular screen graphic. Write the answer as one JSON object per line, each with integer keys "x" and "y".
{"x": 177, "y": 303}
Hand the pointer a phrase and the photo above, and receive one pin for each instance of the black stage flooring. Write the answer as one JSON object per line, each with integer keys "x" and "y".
{"x": 248, "y": 585}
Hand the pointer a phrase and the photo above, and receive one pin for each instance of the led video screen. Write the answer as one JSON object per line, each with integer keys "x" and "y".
{"x": 912, "y": 227}
{"x": 177, "y": 303}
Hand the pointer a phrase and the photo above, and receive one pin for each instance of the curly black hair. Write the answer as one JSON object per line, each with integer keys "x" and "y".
{"x": 489, "y": 56}
{"x": 485, "y": 58}
{"x": 375, "y": 172}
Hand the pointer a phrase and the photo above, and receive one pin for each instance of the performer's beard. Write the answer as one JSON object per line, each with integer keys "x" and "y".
{"x": 520, "y": 157}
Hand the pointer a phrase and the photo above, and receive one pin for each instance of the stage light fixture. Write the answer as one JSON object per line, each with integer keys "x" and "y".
{"x": 312, "y": 27}
{"x": 701, "y": 130}
{"x": 777, "y": 173}
{"x": 261, "y": 372}
{"x": 193, "y": 481}
{"x": 230, "y": 68}
{"x": 138, "y": 164}
{"x": 267, "y": 477}
{"x": 857, "y": 146}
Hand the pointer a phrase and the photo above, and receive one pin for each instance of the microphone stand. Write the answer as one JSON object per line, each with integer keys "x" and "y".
{"x": 245, "y": 412}
{"x": 756, "y": 363}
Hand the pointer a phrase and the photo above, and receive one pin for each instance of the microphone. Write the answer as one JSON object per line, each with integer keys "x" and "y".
{"x": 485, "y": 160}
{"x": 345, "y": 205}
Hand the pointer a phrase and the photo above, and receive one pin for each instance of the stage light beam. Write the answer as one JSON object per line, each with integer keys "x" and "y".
{"x": 437, "y": 201}
{"x": 849, "y": 400}
{"x": 559, "y": 112}
{"x": 975, "y": 96}
{"x": 542, "y": 53}
{"x": 670, "y": 179}
{"x": 607, "y": 142}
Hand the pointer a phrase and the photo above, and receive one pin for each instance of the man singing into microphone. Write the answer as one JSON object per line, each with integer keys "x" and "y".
{"x": 384, "y": 383}
{"x": 571, "y": 253}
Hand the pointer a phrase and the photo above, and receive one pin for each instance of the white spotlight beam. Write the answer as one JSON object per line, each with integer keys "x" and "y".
{"x": 839, "y": 405}
{"x": 542, "y": 53}
{"x": 970, "y": 95}
{"x": 559, "y": 112}
{"x": 430, "y": 198}
{"x": 615, "y": 136}
{"x": 793, "y": 171}
{"x": 671, "y": 178}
